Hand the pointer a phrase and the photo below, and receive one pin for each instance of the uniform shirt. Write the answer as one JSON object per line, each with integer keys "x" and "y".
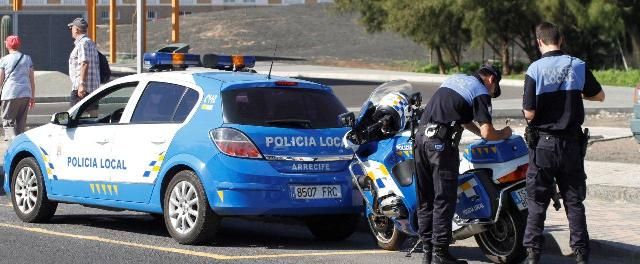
{"x": 84, "y": 51}
{"x": 461, "y": 98}
{"x": 18, "y": 84}
{"x": 554, "y": 86}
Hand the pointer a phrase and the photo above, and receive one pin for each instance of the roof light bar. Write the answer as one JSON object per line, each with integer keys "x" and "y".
{"x": 159, "y": 61}
{"x": 228, "y": 62}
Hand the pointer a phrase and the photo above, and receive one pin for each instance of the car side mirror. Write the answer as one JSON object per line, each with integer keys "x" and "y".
{"x": 61, "y": 118}
{"x": 347, "y": 119}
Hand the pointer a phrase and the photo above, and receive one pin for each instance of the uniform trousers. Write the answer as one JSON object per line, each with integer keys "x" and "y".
{"x": 437, "y": 165}
{"x": 556, "y": 159}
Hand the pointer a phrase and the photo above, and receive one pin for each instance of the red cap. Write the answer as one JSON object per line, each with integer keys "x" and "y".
{"x": 12, "y": 42}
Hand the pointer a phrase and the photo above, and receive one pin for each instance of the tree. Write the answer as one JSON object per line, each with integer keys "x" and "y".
{"x": 435, "y": 24}
{"x": 500, "y": 23}
{"x": 629, "y": 12}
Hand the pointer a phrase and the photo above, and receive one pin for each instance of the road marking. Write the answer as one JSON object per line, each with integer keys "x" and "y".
{"x": 186, "y": 251}
{"x": 7, "y": 205}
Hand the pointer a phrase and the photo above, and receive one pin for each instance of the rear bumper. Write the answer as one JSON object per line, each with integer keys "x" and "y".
{"x": 252, "y": 187}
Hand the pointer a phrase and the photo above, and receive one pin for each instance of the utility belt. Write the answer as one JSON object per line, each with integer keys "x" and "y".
{"x": 532, "y": 136}
{"x": 448, "y": 133}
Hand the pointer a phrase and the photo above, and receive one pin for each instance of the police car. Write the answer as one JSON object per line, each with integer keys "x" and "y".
{"x": 195, "y": 146}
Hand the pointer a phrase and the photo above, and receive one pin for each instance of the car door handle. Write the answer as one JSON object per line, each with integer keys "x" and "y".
{"x": 158, "y": 140}
{"x": 102, "y": 141}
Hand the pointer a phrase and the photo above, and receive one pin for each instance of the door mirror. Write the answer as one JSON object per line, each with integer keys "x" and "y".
{"x": 347, "y": 119}
{"x": 61, "y": 118}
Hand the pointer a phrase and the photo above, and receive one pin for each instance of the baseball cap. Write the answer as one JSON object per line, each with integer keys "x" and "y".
{"x": 79, "y": 22}
{"x": 12, "y": 42}
{"x": 489, "y": 68}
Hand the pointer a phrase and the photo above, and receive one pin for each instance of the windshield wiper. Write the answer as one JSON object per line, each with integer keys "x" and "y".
{"x": 301, "y": 123}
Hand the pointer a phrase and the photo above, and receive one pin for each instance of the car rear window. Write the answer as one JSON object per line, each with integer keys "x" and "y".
{"x": 282, "y": 107}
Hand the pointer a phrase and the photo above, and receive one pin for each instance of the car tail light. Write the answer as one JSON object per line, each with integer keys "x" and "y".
{"x": 519, "y": 174}
{"x": 234, "y": 143}
{"x": 286, "y": 83}
{"x": 636, "y": 95}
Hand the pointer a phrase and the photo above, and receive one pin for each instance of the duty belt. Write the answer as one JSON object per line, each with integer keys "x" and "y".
{"x": 443, "y": 132}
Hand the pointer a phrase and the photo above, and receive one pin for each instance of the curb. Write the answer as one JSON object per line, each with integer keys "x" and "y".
{"x": 611, "y": 193}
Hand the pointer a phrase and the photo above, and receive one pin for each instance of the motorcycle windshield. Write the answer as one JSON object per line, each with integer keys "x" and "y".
{"x": 401, "y": 86}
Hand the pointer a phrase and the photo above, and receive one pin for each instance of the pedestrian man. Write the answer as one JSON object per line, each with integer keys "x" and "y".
{"x": 84, "y": 65}
{"x": 459, "y": 101}
{"x": 554, "y": 88}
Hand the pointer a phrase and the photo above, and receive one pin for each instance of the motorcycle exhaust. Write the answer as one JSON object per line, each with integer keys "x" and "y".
{"x": 468, "y": 231}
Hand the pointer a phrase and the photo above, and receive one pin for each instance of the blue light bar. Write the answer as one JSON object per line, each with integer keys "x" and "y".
{"x": 228, "y": 62}
{"x": 158, "y": 61}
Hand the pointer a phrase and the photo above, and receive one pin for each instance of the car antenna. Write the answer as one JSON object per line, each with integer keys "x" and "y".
{"x": 272, "y": 59}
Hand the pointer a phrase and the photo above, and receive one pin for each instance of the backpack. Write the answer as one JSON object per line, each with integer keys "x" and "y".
{"x": 105, "y": 71}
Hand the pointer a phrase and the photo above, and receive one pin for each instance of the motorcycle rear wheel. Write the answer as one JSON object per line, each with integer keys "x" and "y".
{"x": 502, "y": 242}
{"x": 385, "y": 233}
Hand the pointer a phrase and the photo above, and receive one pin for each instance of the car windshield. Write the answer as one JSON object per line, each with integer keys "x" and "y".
{"x": 282, "y": 107}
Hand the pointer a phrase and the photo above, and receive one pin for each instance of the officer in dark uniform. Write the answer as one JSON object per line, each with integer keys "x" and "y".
{"x": 460, "y": 100}
{"x": 554, "y": 88}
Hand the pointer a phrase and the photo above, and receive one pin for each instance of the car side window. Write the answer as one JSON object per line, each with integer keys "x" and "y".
{"x": 164, "y": 103}
{"x": 107, "y": 106}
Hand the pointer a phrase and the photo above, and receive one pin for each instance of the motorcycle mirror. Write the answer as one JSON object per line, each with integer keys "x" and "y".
{"x": 415, "y": 99}
{"x": 347, "y": 119}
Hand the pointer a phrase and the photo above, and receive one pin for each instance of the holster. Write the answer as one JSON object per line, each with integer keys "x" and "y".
{"x": 531, "y": 136}
{"x": 584, "y": 141}
{"x": 451, "y": 134}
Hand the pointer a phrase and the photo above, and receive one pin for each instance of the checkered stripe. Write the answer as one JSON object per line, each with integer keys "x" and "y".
{"x": 49, "y": 165}
{"x": 154, "y": 166}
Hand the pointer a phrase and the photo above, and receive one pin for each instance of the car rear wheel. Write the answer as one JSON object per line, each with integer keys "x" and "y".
{"x": 187, "y": 214}
{"x": 29, "y": 196}
{"x": 332, "y": 227}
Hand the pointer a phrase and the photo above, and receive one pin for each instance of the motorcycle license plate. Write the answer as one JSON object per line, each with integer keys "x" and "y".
{"x": 316, "y": 191}
{"x": 520, "y": 198}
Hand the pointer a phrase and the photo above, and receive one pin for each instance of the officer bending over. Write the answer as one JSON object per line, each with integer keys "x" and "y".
{"x": 554, "y": 88}
{"x": 460, "y": 100}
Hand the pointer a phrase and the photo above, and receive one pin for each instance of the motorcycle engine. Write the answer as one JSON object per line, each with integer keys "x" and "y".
{"x": 392, "y": 206}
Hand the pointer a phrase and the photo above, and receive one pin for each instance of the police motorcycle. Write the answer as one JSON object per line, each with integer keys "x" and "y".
{"x": 491, "y": 205}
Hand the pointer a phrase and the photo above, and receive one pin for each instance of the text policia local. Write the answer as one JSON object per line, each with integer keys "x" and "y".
{"x": 96, "y": 163}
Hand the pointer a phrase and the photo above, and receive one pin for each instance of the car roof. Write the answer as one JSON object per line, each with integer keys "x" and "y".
{"x": 229, "y": 79}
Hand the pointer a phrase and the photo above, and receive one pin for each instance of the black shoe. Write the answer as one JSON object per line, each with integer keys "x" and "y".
{"x": 533, "y": 256}
{"x": 582, "y": 255}
{"x": 441, "y": 255}
{"x": 428, "y": 250}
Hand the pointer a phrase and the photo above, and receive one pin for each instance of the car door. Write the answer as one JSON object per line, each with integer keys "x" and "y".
{"x": 82, "y": 152}
{"x": 143, "y": 142}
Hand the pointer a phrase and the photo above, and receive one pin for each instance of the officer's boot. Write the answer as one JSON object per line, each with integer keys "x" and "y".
{"x": 533, "y": 256}
{"x": 428, "y": 250}
{"x": 441, "y": 255}
{"x": 582, "y": 255}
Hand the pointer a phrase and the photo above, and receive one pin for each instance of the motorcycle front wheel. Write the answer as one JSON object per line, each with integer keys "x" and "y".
{"x": 385, "y": 233}
{"x": 502, "y": 242}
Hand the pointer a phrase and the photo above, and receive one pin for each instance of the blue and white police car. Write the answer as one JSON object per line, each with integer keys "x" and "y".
{"x": 193, "y": 145}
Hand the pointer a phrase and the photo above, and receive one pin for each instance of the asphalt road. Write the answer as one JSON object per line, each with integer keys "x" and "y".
{"x": 78, "y": 234}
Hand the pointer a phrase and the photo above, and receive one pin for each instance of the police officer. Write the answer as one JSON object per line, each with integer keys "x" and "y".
{"x": 554, "y": 88}
{"x": 460, "y": 100}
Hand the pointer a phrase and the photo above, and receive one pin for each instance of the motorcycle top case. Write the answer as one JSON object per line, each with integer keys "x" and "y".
{"x": 475, "y": 201}
{"x": 482, "y": 152}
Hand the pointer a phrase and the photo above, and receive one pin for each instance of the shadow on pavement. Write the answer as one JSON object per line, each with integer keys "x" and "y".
{"x": 233, "y": 232}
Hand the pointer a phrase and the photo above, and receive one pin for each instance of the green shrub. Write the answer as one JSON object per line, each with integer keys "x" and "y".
{"x": 629, "y": 78}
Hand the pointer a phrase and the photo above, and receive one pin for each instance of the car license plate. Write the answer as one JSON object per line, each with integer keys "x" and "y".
{"x": 520, "y": 198}
{"x": 316, "y": 191}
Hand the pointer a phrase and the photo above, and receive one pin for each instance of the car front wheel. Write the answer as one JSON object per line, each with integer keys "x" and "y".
{"x": 187, "y": 214}
{"x": 29, "y": 197}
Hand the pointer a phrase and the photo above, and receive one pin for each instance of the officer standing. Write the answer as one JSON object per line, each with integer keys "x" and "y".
{"x": 554, "y": 88}
{"x": 460, "y": 100}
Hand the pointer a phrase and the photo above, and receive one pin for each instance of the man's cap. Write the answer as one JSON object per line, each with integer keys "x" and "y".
{"x": 489, "y": 68}
{"x": 12, "y": 42}
{"x": 79, "y": 22}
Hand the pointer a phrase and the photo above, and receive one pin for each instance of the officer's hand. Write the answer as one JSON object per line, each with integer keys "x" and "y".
{"x": 506, "y": 132}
